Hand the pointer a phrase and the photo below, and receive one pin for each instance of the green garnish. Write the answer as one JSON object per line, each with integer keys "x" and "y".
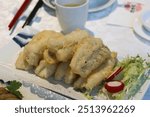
{"x": 148, "y": 62}
{"x": 133, "y": 76}
{"x": 88, "y": 96}
{"x": 13, "y": 88}
{"x": 135, "y": 73}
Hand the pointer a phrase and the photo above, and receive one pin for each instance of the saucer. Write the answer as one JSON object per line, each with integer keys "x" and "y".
{"x": 140, "y": 30}
{"x": 104, "y": 5}
{"x": 145, "y": 18}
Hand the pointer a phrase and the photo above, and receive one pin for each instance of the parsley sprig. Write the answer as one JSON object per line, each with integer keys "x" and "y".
{"x": 13, "y": 88}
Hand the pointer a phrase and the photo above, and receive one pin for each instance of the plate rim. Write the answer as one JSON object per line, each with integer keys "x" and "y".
{"x": 138, "y": 24}
{"x": 108, "y": 4}
{"x": 12, "y": 77}
{"x": 32, "y": 89}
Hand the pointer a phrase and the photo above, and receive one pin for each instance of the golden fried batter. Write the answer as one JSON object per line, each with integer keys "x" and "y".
{"x": 69, "y": 45}
{"x": 21, "y": 62}
{"x": 45, "y": 70}
{"x": 61, "y": 70}
{"x": 34, "y": 50}
{"x": 49, "y": 57}
{"x": 89, "y": 55}
{"x": 98, "y": 75}
{"x": 70, "y": 77}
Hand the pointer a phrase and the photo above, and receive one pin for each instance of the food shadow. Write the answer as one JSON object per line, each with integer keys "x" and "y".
{"x": 58, "y": 82}
{"x": 52, "y": 80}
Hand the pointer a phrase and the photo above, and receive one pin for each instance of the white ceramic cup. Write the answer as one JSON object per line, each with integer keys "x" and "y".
{"x": 71, "y": 18}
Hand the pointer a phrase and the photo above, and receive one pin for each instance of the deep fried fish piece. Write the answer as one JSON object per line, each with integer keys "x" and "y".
{"x": 45, "y": 70}
{"x": 90, "y": 54}
{"x": 34, "y": 49}
{"x": 98, "y": 75}
{"x": 70, "y": 77}
{"x": 21, "y": 62}
{"x": 49, "y": 57}
{"x": 55, "y": 44}
{"x": 69, "y": 45}
{"x": 61, "y": 70}
{"x": 78, "y": 83}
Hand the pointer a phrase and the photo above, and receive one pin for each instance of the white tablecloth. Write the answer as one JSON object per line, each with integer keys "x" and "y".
{"x": 115, "y": 37}
{"x": 120, "y": 39}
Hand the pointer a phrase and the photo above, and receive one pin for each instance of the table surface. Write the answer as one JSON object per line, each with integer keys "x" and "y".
{"x": 118, "y": 38}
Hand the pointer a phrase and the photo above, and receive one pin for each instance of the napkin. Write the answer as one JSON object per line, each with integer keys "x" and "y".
{"x": 24, "y": 36}
{"x": 126, "y": 12}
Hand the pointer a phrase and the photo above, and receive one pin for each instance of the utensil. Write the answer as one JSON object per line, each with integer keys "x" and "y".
{"x": 32, "y": 14}
{"x": 19, "y": 13}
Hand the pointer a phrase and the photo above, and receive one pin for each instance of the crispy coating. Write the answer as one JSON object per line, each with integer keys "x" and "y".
{"x": 102, "y": 72}
{"x": 69, "y": 45}
{"x": 55, "y": 44}
{"x": 89, "y": 55}
{"x": 34, "y": 50}
{"x": 78, "y": 83}
{"x": 49, "y": 57}
{"x": 61, "y": 70}
{"x": 21, "y": 62}
{"x": 45, "y": 70}
{"x": 70, "y": 77}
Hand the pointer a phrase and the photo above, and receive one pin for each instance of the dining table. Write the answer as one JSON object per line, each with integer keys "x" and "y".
{"x": 114, "y": 25}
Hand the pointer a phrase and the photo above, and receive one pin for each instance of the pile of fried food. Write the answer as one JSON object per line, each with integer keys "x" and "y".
{"x": 77, "y": 58}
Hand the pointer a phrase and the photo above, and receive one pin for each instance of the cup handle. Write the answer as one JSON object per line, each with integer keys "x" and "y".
{"x": 52, "y": 2}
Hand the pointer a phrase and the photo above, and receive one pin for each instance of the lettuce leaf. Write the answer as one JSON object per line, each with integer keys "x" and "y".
{"x": 133, "y": 76}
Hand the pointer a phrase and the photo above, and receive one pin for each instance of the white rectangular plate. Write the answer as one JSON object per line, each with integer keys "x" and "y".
{"x": 8, "y": 56}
